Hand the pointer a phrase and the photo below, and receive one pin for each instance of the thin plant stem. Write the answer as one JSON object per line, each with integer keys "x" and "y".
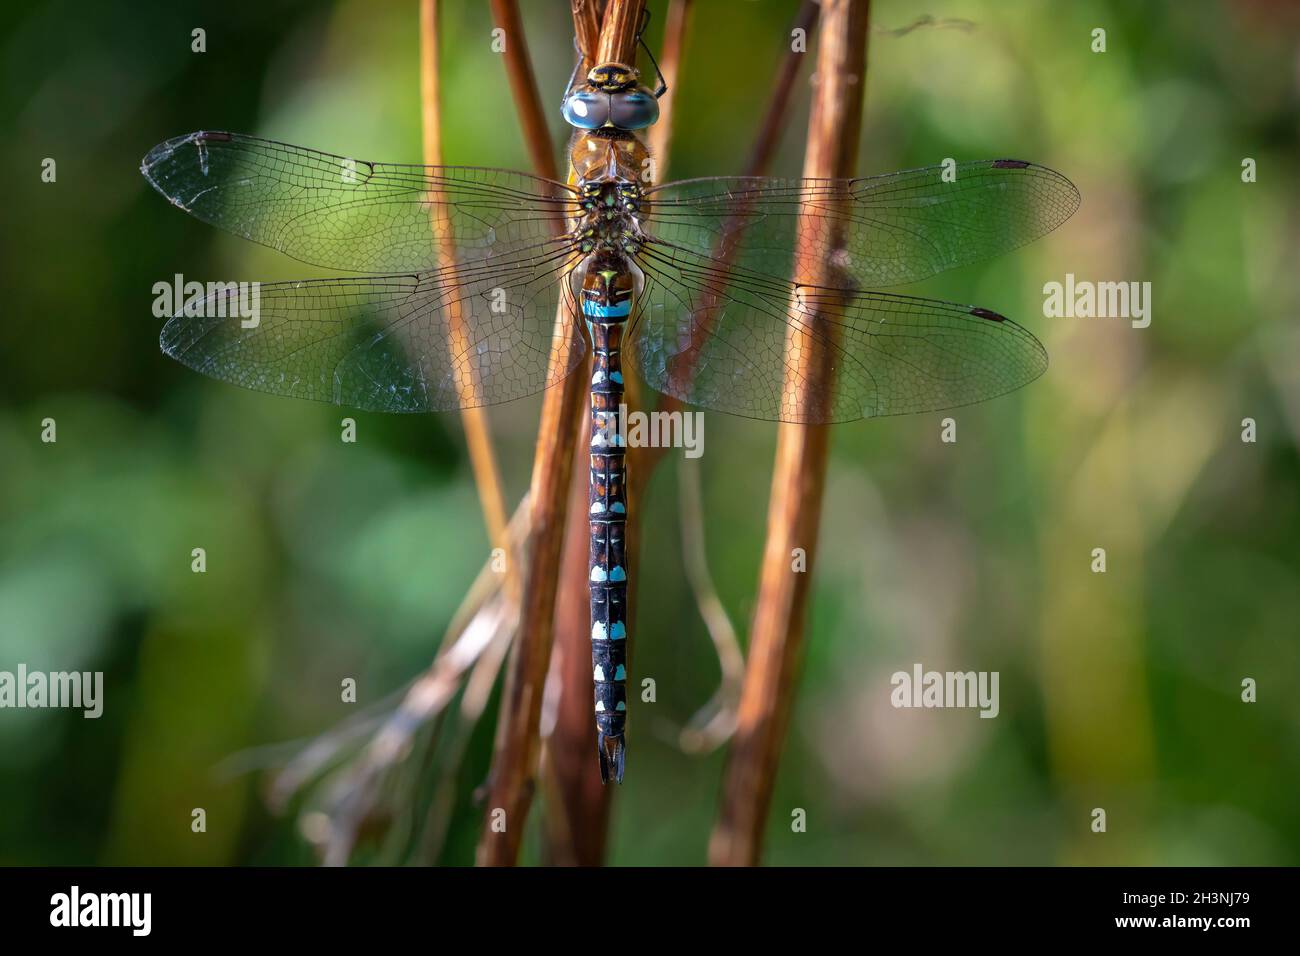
{"x": 524, "y": 89}
{"x": 580, "y": 836}
{"x": 578, "y": 803}
{"x": 661, "y": 134}
{"x": 587, "y": 18}
{"x": 515, "y": 757}
{"x": 577, "y": 825}
{"x": 714, "y": 723}
{"x": 798, "y": 479}
{"x": 478, "y": 436}
{"x": 474, "y": 418}
{"x": 617, "y": 40}
{"x": 474, "y": 642}
{"x": 774, "y": 120}
{"x": 641, "y": 461}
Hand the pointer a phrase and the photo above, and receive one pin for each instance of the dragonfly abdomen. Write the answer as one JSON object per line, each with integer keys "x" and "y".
{"x": 606, "y": 305}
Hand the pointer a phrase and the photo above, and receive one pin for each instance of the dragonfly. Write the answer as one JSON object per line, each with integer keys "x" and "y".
{"x": 473, "y": 286}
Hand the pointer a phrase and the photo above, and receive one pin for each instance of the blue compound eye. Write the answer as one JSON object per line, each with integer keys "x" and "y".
{"x": 586, "y": 109}
{"x": 635, "y": 109}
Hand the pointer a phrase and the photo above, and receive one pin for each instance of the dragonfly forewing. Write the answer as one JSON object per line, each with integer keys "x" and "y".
{"x": 353, "y": 215}
{"x": 879, "y": 231}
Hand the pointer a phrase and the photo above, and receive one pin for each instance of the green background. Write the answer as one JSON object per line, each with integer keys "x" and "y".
{"x": 1118, "y": 690}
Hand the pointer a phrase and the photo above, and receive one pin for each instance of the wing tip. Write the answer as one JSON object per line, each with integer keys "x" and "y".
{"x": 1063, "y": 181}
{"x": 155, "y": 162}
{"x": 155, "y": 157}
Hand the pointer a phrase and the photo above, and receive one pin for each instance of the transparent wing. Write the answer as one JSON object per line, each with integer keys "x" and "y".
{"x": 477, "y": 334}
{"x": 347, "y": 214}
{"x": 736, "y": 341}
{"x": 891, "y": 229}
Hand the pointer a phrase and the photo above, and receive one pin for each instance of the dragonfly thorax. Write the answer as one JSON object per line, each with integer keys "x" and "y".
{"x": 605, "y": 154}
{"x": 615, "y": 236}
{"x": 609, "y": 223}
{"x": 610, "y": 198}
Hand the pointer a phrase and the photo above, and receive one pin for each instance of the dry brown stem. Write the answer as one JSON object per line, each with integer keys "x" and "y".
{"x": 515, "y": 758}
{"x": 798, "y": 480}
{"x": 478, "y": 436}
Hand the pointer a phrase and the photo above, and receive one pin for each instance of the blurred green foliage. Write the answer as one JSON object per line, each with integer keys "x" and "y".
{"x": 327, "y": 560}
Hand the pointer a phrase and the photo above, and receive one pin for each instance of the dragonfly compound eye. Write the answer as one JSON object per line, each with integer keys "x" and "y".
{"x": 635, "y": 109}
{"x": 586, "y": 109}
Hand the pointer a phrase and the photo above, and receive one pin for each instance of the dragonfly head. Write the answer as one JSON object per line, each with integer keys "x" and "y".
{"x": 611, "y": 99}
{"x": 612, "y": 77}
